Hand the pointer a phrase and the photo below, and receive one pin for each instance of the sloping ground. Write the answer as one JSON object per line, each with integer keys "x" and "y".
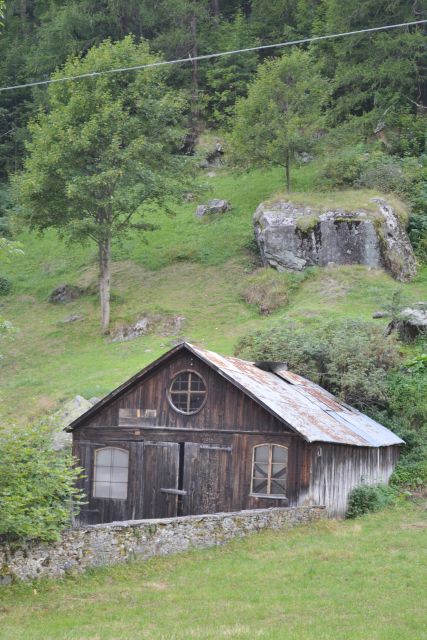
{"x": 355, "y": 580}
{"x": 190, "y": 267}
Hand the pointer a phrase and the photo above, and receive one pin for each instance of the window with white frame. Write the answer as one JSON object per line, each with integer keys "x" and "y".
{"x": 269, "y": 470}
{"x": 110, "y": 474}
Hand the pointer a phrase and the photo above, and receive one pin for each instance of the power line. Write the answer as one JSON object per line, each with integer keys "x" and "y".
{"x": 209, "y": 56}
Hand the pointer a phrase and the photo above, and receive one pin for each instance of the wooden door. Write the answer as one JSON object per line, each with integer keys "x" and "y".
{"x": 160, "y": 471}
{"x": 206, "y": 478}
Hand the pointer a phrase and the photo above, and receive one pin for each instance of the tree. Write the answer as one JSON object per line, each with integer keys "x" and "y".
{"x": 105, "y": 153}
{"x": 282, "y": 113}
{"x": 227, "y": 78}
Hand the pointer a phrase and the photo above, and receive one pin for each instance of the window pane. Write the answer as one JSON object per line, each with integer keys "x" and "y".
{"x": 278, "y": 487}
{"x": 119, "y": 474}
{"x": 179, "y": 401}
{"x": 261, "y": 453}
{"x": 259, "y": 486}
{"x": 102, "y": 474}
{"x": 280, "y": 454}
{"x": 196, "y": 401}
{"x": 196, "y": 383}
{"x": 181, "y": 382}
{"x": 103, "y": 457}
{"x": 260, "y": 470}
{"x": 101, "y": 489}
{"x": 120, "y": 458}
{"x": 119, "y": 490}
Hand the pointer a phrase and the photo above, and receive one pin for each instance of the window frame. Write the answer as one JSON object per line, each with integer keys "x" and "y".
{"x": 275, "y": 496}
{"x": 170, "y": 393}
{"x": 110, "y": 483}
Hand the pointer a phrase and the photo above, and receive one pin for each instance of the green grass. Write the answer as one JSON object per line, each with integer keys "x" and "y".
{"x": 196, "y": 268}
{"x": 356, "y": 580}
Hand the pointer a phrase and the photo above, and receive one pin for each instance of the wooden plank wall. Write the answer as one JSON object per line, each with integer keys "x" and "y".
{"x": 226, "y": 408}
{"x": 337, "y": 469}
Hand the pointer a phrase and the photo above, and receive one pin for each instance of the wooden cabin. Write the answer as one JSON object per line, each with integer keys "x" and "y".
{"x": 196, "y": 432}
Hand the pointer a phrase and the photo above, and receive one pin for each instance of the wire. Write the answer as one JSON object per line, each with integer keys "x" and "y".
{"x": 209, "y": 56}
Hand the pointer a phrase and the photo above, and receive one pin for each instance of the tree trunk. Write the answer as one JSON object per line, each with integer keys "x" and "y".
{"x": 288, "y": 171}
{"x": 104, "y": 248}
{"x": 215, "y": 9}
{"x": 194, "y": 75}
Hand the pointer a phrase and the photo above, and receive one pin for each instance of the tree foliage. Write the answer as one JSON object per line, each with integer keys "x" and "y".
{"x": 282, "y": 113}
{"x": 105, "y": 151}
{"x": 37, "y": 485}
{"x": 350, "y": 358}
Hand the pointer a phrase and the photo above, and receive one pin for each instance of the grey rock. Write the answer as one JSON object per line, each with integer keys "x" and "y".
{"x": 150, "y": 323}
{"x": 295, "y": 237}
{"x": 213, "y": 206}
{"x": 94, "y": 400}
{"x": 411, "y": 322}
{"x": 65, "y": 293}
{"x": 380, "y": 314}
{"x": 62, "y": 418}
{"x": 305, "y": 157}
{"x": 74, "y": 317}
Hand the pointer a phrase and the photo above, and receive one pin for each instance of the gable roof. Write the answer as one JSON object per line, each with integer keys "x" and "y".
{"x": 304, "y": 406}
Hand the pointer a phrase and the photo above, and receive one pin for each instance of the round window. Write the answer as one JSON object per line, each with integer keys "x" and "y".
{"x": 187, "y": 393}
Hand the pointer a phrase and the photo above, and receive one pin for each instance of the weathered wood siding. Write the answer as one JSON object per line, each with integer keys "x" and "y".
{"x": 226, "y": 408}
{"x": 213, "y": 448}
{"x": 336, "y": 469}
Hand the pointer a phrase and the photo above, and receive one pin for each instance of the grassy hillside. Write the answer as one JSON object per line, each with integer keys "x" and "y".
{"x": 192, "y": 267}
{"x": 358, "y": 580}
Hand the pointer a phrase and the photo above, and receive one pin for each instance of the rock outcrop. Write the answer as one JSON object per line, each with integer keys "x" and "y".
{"x": 294, "y": 237}
{"x": 150, "y": 323}
{"x": 65, "y": 293}
{"x": 411, "y": 322}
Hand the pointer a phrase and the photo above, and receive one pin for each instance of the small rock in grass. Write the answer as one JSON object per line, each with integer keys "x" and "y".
{"x": 213, "y": 206}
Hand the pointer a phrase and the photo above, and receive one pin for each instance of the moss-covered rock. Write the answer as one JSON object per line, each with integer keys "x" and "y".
{"x": 294, "y": 237}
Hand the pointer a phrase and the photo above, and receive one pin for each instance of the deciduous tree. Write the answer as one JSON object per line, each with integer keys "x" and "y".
{"x": 105, "y": 152}
{"x": 282, "y": 113}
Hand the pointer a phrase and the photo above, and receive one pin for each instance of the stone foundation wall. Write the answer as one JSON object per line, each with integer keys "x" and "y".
{"x": 106, "y": 544}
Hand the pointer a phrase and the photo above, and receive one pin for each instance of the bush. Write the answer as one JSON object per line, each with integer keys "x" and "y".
{"x": 343, "y": 169}
{"x": 38, "y": 495}
{"x": 5, "y": 286}
{"x": 348, "y": 358}
{"x": 368, "y": 499}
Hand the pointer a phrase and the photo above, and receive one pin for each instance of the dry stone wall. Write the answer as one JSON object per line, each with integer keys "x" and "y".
{"x": 116, "y": 542}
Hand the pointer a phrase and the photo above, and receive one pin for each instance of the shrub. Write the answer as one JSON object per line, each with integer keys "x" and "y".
{"x": 409, "y": 475}
{"x": 5, "y": 286}
{"x": 348, "y": 358}
{"x": 368, "y": 499}
{"x": 37, "y": 485}
{"x": 343, "y": 169}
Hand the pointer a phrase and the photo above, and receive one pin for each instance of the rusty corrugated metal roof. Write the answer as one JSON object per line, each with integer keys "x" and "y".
{"x": 307, "y": 408}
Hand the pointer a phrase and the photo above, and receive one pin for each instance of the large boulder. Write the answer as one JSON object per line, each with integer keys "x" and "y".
{"x": 294, "y": 237}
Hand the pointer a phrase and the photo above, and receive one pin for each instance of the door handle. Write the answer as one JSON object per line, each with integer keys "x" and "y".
{"x": 174, "y": 492}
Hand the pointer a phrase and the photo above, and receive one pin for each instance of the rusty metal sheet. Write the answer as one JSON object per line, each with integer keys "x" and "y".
{"x": 303, "y": 405}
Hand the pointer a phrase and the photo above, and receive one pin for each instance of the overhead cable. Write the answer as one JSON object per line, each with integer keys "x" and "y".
{"x": 209, "y": 56}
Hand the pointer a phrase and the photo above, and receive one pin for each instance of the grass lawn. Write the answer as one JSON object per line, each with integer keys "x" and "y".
{"x": 355, "y": 580}
{"x": 190, "y": 267}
